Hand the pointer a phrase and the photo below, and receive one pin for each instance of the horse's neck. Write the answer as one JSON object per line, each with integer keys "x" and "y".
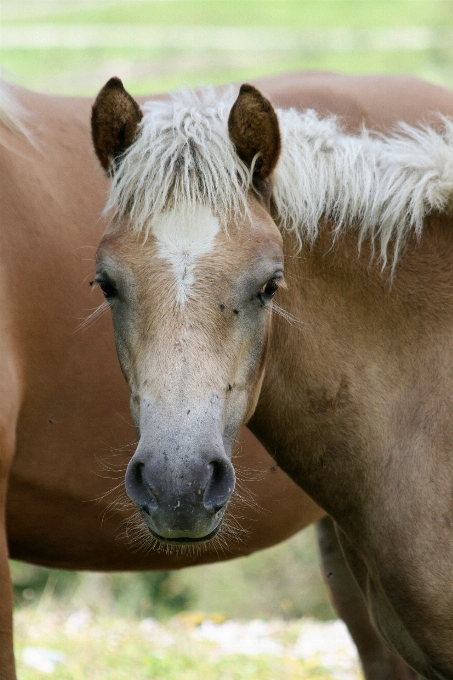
{"x": 363, "y": 373}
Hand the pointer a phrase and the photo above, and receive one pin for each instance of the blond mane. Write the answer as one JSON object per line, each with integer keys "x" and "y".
{"x": 383, "y": 186}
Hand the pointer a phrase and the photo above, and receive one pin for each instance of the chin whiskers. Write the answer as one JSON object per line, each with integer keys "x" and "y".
{"x": 242, "y": 511}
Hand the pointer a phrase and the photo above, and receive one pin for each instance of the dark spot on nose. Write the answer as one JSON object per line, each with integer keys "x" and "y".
{"x": 222, "y": 307}
{"x": 236, "y": 311}
{"x": 273, "y": 468}
{"x": 51, "y": 421}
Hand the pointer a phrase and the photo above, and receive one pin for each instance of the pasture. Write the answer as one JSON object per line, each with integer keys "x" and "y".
{"x": 156, "y": 45}
{"x": 86, "y": 645}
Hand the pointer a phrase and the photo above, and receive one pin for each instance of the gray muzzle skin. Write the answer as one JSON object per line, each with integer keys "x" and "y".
{"x": 181, "y": 481}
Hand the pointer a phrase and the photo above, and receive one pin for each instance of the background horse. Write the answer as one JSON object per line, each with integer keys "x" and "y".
{"x": 64, "y": 402}
{"x": 220, "y": 202}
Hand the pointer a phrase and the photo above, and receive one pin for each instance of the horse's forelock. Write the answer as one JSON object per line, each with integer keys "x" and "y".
{"x": 182, "y": 157}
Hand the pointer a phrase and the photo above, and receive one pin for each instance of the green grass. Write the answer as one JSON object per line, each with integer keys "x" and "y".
{"x": 83, "y": 71}
{"x": 107, "y": 648}
{"x": 71, "y": 72}
{"x": 295, "y": 13}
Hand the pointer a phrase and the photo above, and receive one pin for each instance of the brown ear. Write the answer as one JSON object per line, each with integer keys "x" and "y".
{"x": 253, "y": 128}
{"x": 114, "y": 120}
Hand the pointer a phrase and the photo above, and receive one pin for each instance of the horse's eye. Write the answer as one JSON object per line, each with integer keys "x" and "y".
{"x": 108, "y": 289}
{"x": 268, "y": 291}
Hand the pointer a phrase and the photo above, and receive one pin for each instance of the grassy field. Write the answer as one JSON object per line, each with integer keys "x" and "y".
{"x": 301, "y": 13}
{"x": 83, "y": 646}
{"x": 156, "y": 626}
{"x": 66, "y": 47}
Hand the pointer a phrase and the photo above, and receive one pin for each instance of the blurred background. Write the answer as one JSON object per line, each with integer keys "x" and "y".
{"x": 73, "y": 47}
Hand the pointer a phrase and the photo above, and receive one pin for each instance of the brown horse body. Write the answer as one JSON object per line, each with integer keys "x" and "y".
{"x": 220, "y": 203}
{"x": 63, "y": 399}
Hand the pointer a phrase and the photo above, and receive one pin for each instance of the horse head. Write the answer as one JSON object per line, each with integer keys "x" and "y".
{"x": 189, "y": 264}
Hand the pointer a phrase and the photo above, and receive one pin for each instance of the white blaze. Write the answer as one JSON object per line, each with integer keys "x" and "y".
{"x": 183, "y": 235}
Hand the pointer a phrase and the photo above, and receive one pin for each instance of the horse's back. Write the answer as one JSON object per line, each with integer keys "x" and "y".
{"x": 378, "y": 101}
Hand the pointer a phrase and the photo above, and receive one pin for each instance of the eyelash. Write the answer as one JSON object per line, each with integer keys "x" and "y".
{"x": 269, "y": 289}
{"x": 108, "y": 288}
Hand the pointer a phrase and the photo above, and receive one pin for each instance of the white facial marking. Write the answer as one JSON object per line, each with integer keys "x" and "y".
{"x": 182, "y": 236}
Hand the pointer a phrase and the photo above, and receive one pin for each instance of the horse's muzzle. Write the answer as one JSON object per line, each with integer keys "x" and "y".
{"x": 181, "y": 500}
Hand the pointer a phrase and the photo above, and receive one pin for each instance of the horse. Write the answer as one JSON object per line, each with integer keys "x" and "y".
{"x": 270, "y": 265}
{"x": 66, "y": 432}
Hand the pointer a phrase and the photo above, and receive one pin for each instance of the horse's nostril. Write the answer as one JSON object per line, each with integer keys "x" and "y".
{"x": 138, "y": 490}
{"x": 220, "y": 485}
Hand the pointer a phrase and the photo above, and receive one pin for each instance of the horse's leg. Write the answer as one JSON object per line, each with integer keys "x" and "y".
{"x": 378, "y": 662}
{"x": 9, "y": 410}
{"x": 7, "y": 671}
{"x": 6, "y": 606}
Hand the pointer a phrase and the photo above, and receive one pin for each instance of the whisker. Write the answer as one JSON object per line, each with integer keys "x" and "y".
{"x": 91, "y": 318}
{"x": 249, "y": 474}
{"x": 290, "y": 318}
{"x": 133, "y": 531}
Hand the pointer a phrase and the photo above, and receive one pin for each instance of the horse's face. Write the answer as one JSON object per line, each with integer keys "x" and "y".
{"x": 191, "y": 319}
{"x": 191, "y": 312}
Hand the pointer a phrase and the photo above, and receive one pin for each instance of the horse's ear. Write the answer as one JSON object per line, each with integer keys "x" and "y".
{"x": 253, "y": 128}
{"x": 114, "y": 120}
